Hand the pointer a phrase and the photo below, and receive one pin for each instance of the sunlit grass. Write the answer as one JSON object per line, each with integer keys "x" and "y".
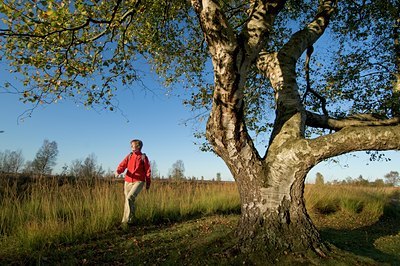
{"x": 329, "y": 205}
{"x": 389, "y": 244}
{"x": 176, "y": 200}
{"x": 48, "y": 214}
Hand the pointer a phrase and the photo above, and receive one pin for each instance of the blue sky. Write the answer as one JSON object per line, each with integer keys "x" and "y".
{"x": 150, "y": 116}
{"x": 153, "y": 117}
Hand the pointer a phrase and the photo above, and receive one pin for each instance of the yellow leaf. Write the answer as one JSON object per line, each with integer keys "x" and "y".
{"x": 50, "y": 13}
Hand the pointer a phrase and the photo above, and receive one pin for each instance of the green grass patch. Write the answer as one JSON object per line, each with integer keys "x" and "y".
{"x": 174, "y": 201}
{"x": 184, "y": 223}
{"x": 330, "y": 206}
{"x": 48, "y": 214}
{"x": 366, "y": 224}
{"x": 204, "y": 241}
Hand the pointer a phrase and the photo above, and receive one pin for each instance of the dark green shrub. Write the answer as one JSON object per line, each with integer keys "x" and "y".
{"x": 326, "y": 207}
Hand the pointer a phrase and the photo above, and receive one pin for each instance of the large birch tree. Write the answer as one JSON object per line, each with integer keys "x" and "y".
{"x": 344, "y": 101}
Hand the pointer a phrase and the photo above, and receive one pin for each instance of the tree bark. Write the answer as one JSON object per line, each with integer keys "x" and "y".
{"x": 274, "y": 217}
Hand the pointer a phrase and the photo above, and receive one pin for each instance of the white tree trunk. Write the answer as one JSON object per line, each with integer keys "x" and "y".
{"x": 271, "y": 187}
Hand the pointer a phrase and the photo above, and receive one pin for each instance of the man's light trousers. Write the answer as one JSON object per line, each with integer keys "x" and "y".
{"x": 131, "y": 190}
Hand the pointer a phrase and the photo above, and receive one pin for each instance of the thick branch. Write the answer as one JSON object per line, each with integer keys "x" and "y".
{"x": 280, "y": 68}
{"x": 299, "y": 42}
{"x": 359, "y": 138}
{"x": 259, "y": 25}
{"x": 215, "y": 27}
{"x": 305, "y": 38}
{"x": 226, "y": 129}
{"x": 359, "y": 120}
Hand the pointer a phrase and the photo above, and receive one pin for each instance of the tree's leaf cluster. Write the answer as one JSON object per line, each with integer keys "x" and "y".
{"x": 87, "y": 50}
{"x": 363, "y": 69}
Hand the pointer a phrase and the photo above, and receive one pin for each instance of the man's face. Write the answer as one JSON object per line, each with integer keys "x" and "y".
{"x": 134, "y": 146}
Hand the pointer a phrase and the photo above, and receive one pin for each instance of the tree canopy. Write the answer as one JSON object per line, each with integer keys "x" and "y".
{"x": 85, "y": 50}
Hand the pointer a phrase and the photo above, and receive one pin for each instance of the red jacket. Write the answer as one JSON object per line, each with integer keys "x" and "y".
{"x": 138, "y": 166}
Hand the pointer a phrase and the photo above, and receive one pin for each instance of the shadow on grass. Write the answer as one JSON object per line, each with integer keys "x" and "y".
{"x": 195, "y": 239}
{"x": 175, "y": 217}
{"x": 361, "y": 241}
{"x": 184, "y": 243}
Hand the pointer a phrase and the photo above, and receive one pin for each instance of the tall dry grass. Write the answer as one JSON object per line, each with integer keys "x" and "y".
{"x": 345, "y": 206}
{"x": 176, "y": 200}
{"x": 48, "y": 214}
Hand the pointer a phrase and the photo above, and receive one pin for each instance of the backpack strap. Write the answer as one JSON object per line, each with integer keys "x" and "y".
{"x": 143, "y": 156}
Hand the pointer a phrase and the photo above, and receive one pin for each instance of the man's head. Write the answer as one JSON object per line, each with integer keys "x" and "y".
{"x": 136, "y": 144}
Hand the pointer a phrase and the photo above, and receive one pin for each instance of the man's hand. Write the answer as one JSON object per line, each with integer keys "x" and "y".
{"x": 116, "y": 175}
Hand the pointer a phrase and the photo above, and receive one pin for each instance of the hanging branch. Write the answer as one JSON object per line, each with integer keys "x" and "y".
{"x": 310, "y": 50}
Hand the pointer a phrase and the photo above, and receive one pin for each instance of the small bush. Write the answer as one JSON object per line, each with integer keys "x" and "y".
{"x": 392, "y": 209}
{"x": 352, "y": 205}
{"x": 327, "y": 207}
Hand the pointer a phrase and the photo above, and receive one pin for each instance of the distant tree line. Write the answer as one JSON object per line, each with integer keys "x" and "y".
{"x": 177, "y": 173}
{"x": 13, "y": 162}
{"x": 390, "y": 179}
{"x": 42, "y": 164}
{"x": 88, "y": 168}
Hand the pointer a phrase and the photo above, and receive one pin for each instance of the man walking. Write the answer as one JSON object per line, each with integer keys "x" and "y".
{"x": 137, "y": 176}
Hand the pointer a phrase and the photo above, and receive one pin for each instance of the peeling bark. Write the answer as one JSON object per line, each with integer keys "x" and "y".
{"x": 274, "y": 217}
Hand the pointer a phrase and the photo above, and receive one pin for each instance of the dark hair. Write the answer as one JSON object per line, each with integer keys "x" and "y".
{"x": 138, "y": 143}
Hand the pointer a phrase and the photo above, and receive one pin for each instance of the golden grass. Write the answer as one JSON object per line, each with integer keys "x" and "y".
{"x": 331, "y": 205}
{"x": 48, "y": 214}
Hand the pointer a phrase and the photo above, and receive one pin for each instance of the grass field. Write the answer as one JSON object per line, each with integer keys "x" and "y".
{"x": 187, "y": 223}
